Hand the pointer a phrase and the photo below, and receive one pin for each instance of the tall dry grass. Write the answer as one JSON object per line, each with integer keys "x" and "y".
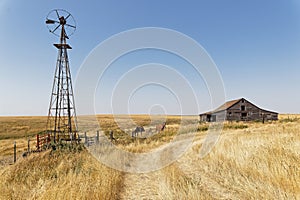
{"x": 59, "y": 175}
{"x": 259, "y": 162}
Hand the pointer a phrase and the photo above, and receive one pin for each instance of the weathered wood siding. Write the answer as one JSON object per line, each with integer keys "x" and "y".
{"x": 246, "y": 111}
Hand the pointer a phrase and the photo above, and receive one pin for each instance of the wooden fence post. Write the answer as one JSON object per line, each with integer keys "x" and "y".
{"x": 111, "y": 135}
{"x": 28, "y": 145}
{"x": 97, "y": 138}
{"x": 85, "y": 138}
{"x": 48, "y": 138}
{"x": 38, "y": 142}
{"x": 15, "y": 152}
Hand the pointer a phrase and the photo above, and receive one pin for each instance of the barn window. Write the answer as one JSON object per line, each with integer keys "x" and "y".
{"x": 230, "y": 114}
{"x": 243, "y": 108}
{"x": 243, "y": 100}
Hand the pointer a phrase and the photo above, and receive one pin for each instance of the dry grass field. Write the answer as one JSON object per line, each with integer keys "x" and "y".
{"x": 250, "y": 161}
{"x": 17, "y": 127}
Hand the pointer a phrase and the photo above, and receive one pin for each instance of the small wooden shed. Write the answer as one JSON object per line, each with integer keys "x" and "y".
{"x": 239, "y": 110}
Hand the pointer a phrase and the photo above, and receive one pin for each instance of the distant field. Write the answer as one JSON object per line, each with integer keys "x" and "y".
{"x": 250, "y": 161}
{"x": 18, "y": 127}
{"x": 21, "y": 127}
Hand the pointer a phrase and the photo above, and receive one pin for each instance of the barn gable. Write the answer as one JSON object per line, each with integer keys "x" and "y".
{"x": 239, "y": 110}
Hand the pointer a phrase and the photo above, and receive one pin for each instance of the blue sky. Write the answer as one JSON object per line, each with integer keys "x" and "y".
{"x": 255, "y": 45}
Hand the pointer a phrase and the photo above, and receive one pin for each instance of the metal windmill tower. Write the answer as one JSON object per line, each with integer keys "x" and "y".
{"x": 62, "y": 120}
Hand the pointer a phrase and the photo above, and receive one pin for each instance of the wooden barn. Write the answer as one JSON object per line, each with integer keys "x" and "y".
{"x": 239, "y": 110}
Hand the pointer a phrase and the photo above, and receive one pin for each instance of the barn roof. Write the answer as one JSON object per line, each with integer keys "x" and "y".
{"x": 228, "y": 104}
{"x": 225, "y": 106}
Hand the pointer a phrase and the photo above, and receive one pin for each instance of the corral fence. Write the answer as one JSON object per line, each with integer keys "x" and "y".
{"x": 43, "y": 140}
{"x": 99, "y": 139}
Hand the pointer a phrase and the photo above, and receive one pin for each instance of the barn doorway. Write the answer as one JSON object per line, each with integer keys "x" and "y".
{"x": 208, "y": 118}
{"x": 243, "y": 116}
{"x": 211, "y": 118}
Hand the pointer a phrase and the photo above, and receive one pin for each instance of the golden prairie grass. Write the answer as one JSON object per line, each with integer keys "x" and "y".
{"x": 16, "y": 127}
{"x": 260, "y": 162}
{"x": 250, "y": 161}
{"x": 176, "y": 185}
{"x": 59, "y": 175}
{"x": 7, "y": 150}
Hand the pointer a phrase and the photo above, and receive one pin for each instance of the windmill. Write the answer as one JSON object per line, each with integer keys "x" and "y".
{"x": 62, "y": 120}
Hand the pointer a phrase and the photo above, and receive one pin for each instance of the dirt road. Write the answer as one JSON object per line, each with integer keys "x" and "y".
{"x": 152, "y": 185}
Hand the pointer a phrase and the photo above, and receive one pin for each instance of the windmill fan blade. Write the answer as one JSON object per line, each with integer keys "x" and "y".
{"x": 70, "y": 25}
{"x": 68, "y": 16}
{"x": 55, "y": 29}
{"x": 57, "y": 14}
